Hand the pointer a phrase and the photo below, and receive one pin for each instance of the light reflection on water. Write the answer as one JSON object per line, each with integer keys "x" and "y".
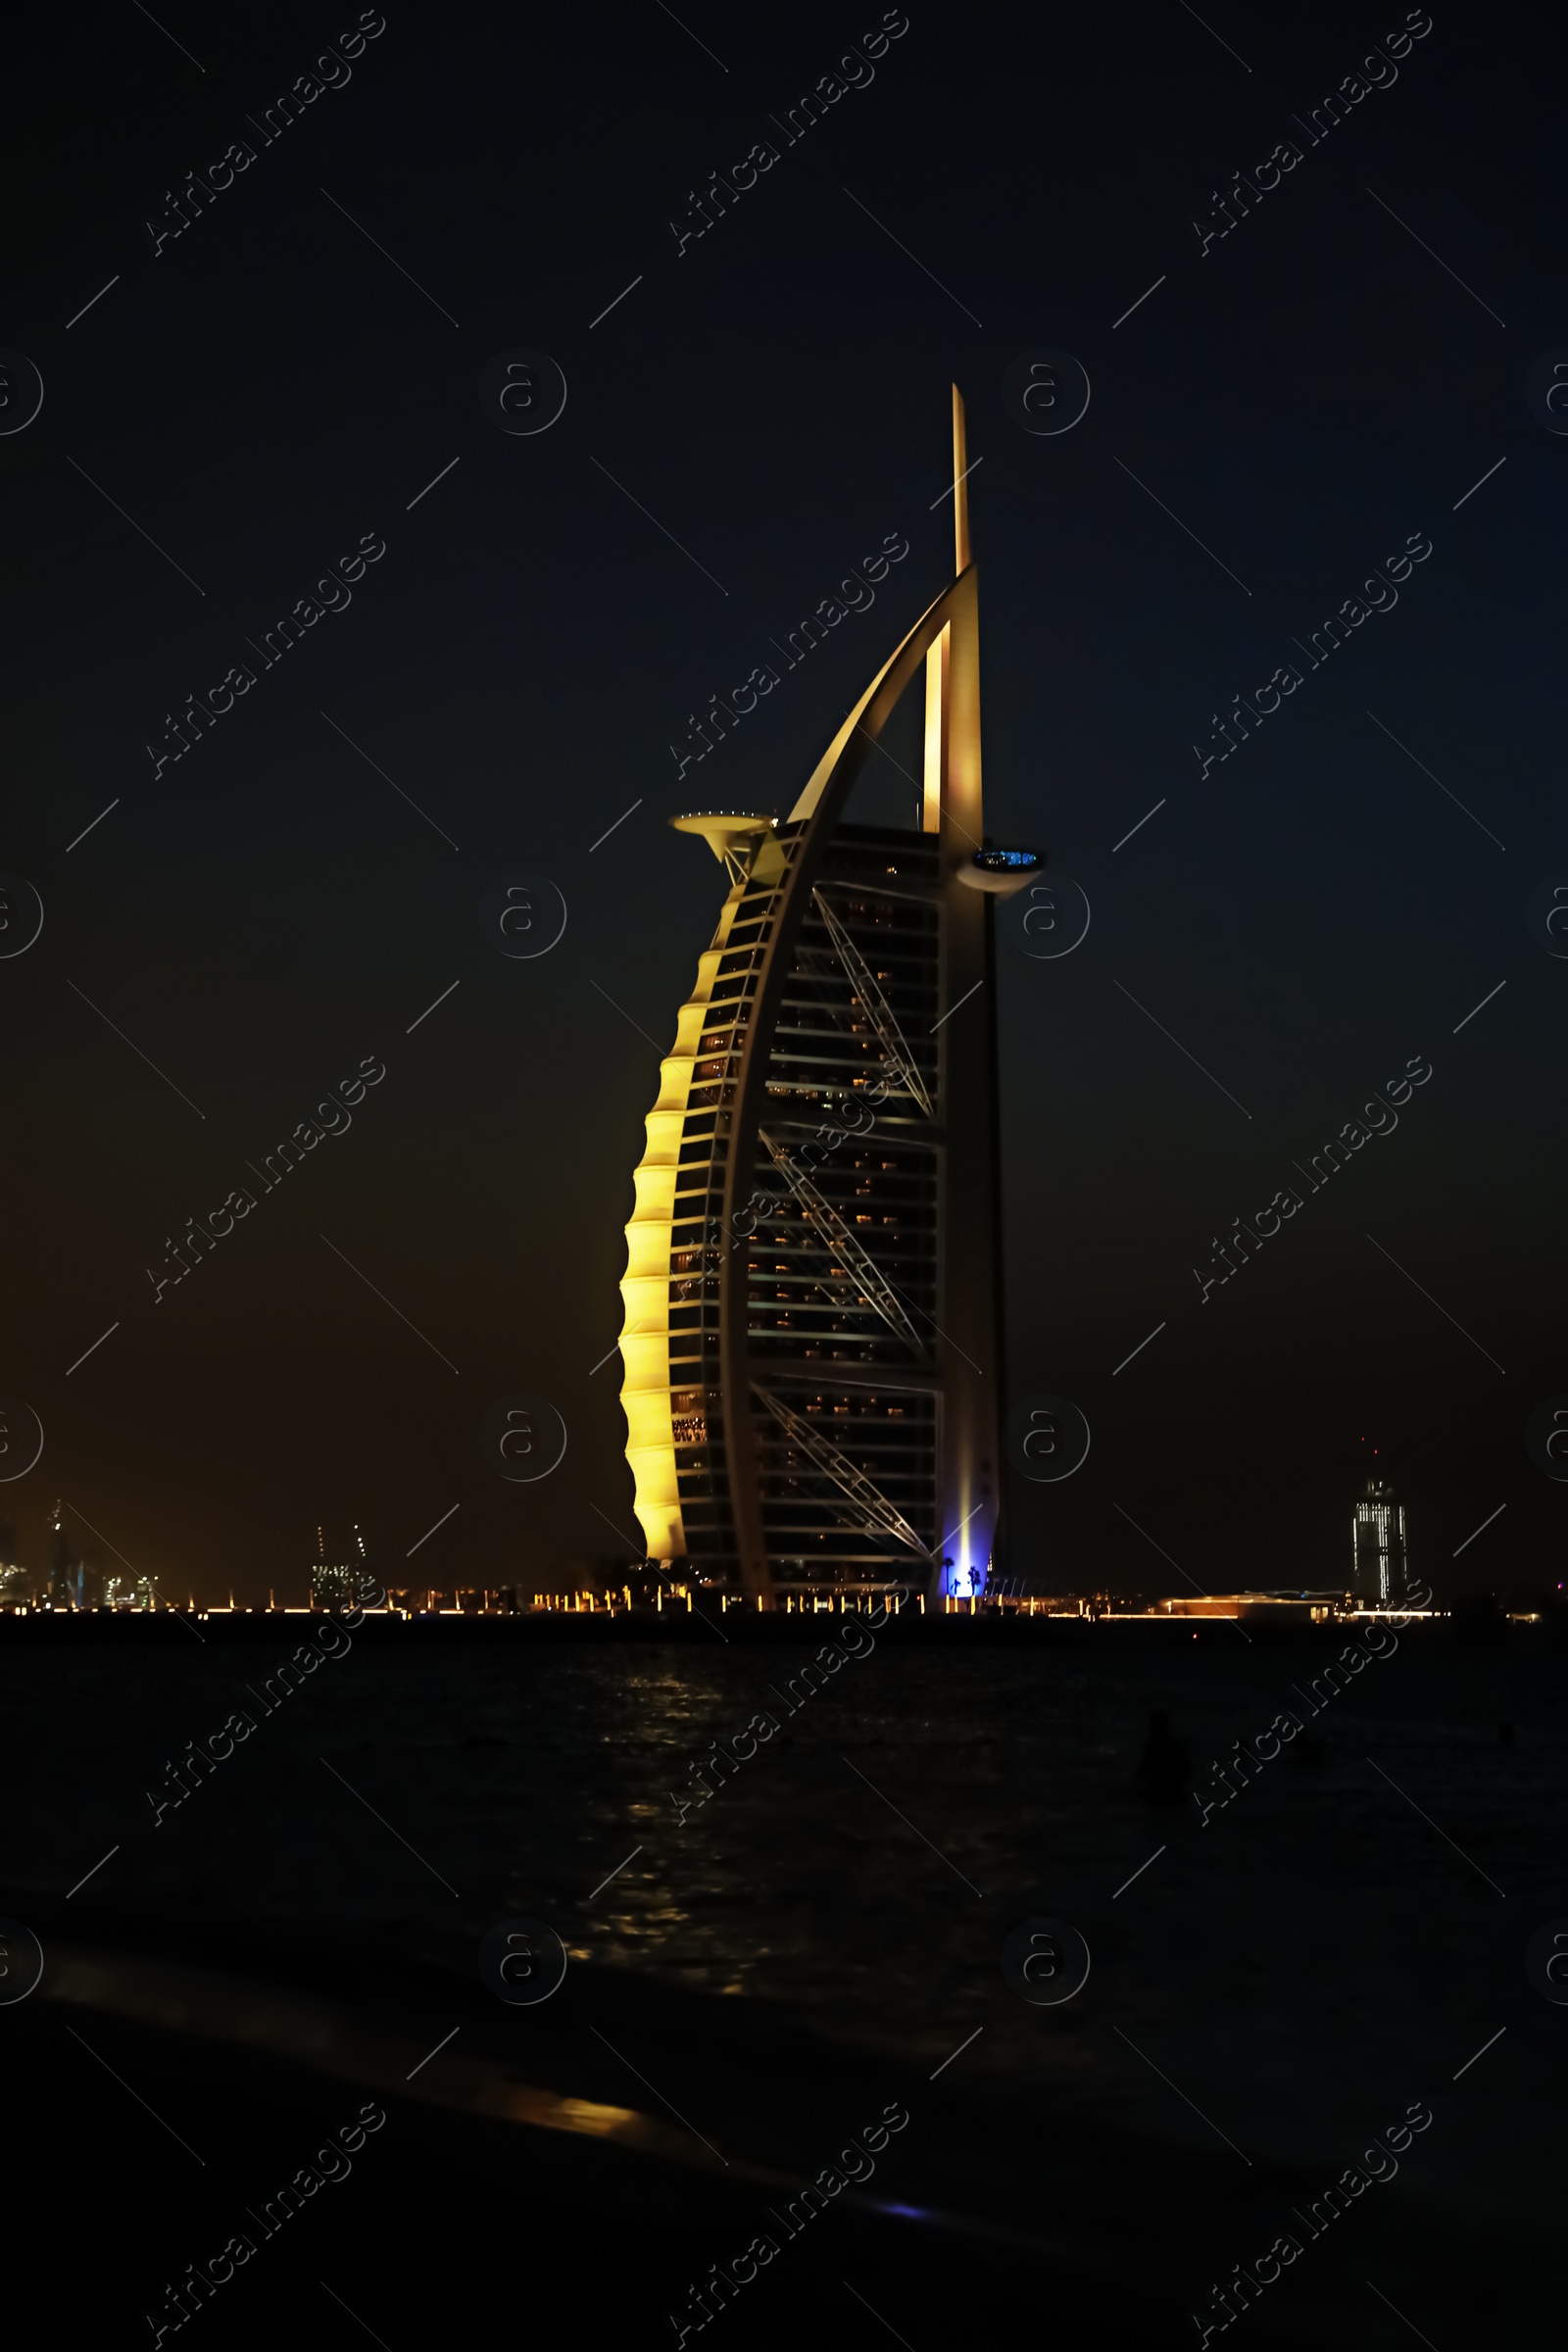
{"x": 526, "y": 1776}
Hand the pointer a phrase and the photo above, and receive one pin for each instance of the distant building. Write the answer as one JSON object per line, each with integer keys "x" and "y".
{"x": 333, "y": 1583}
{"x": 129, "y": 1593}
{"x": 73, "y": 1583}
{"x": 457, "y": 1601}
{"x": 1286, "y": 1607}
{"x": 338, "y": 1584}
{"x": 1376, "y": 1546}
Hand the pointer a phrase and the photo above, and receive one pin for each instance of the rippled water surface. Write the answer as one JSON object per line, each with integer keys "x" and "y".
{"x": 1348, "y": 1928}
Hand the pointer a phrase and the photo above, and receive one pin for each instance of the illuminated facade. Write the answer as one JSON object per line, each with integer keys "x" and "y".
{"x": 811, "y": 1343}
{"x": 1377, "y": 1541}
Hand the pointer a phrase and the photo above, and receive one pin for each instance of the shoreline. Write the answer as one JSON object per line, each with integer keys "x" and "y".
{"x": 136, "y": 1629}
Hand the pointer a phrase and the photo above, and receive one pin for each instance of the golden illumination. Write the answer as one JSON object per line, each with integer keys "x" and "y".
{"x": 645, "y": 1286}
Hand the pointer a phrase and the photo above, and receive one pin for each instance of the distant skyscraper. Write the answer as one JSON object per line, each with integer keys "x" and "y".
{"x": 1376, "y": 1546}
{"x": 71, "y": 1584}
{"x": 334, "y": 1582}
{"x": 812, "y": 1331}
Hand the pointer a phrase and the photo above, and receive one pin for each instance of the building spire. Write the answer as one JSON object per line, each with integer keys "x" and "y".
{"x": 939, "y": 684}
{"x": 960, "y": 487}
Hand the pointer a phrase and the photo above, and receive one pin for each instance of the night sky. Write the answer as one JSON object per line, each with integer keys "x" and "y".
{"x": 264, "y": 400}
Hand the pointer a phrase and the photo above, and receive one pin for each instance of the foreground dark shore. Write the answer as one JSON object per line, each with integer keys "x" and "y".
{"x": 754, "y": 1981}
{"x": 980, "y": 2217}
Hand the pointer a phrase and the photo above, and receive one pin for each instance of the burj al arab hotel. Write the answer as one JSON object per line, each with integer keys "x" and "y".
{"x": 813, "y": 1333}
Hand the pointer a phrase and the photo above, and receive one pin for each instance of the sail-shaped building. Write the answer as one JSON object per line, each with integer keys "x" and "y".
{"x": 812, "y": 1336}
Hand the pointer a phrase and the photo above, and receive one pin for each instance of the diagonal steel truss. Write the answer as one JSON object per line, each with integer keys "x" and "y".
{"x": 874, "y": 1290}
{"x": 874, "y": 1514}
{"x": 864, "y": 984}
